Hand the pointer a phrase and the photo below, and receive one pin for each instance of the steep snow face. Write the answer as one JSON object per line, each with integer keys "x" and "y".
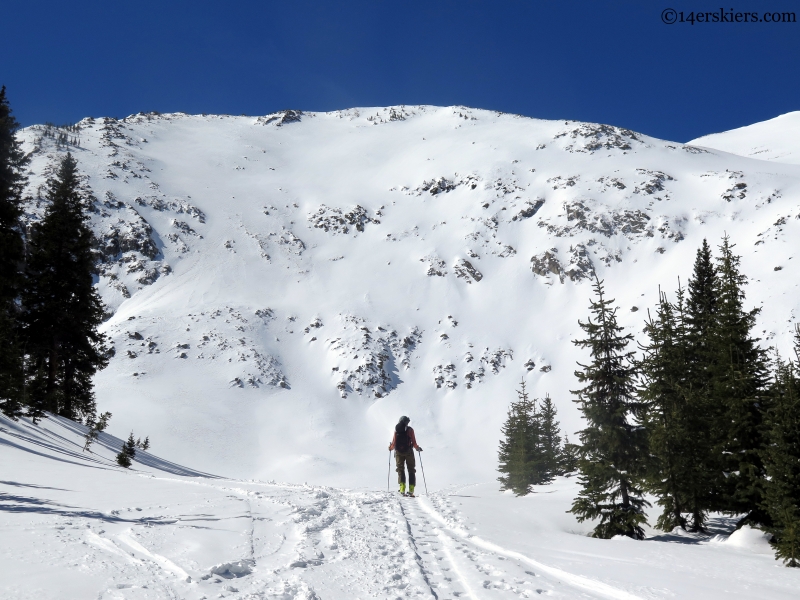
{"x": 775, "y": 140}
{"x": 285, "y": 287}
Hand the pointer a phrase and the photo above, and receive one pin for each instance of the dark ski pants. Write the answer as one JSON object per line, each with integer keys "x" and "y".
{"x": 404, "y": 459}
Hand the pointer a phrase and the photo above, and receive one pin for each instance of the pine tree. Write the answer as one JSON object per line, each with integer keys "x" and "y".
{"x": 782, "y": 462}
{"x": 536, "y": 453}
{"x": 662, "y": 368}
{"x": 704, "y": 479}
{"x": 129, "y": 447}
{"x": 95, "y": 427}
{"x": 12, "y": 182}
{"x": 739, "y": 382}
{"x": 550, "y": 440}
{"x": 63, "y": 310}
{"x": 568, "y": 458}
{"x": 123, "y": 460}
{"x": 614, "y": 447}
{"x": 515, "y": 448}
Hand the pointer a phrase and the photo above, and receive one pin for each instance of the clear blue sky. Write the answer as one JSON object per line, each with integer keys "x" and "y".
{"x": 610, "y": 62}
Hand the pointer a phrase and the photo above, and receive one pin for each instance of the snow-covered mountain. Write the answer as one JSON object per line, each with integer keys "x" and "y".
{"x": 775, "y": 140}
{"x": 284, "y": 287}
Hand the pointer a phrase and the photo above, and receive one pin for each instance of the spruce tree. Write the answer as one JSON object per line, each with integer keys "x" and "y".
{"x": 522, "y": 454}
{"x": 96, "y": 426}
{"x": 550, "y": 436}
{"x": 662, "y": 370}
{"x": 123, "y": 460}
{"x": 614, "y": 446}
{"x": 62, "y": 309}
{"x": 703, "y": 485}
{"x": 739, "y": 380}
{"x": 12, "y": 182}
{"x": 516, "y": 445}
{"x": 782, "y": 462}
{"x": 537, "y": 462}
{"x": 568, "y": 458}
{"x": 129, "y": 447}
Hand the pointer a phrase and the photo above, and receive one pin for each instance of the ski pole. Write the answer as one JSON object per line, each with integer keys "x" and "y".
{"x": 423, "y": 472}
{"x": 389, "y": 472}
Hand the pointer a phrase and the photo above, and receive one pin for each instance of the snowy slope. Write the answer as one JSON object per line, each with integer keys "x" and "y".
{"x": 75, "y": 526}
{"x": 775, "y": 140}
{"x": 285, "y": 287}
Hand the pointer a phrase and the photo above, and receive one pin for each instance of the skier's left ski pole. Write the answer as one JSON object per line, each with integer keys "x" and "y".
{"x": 423, "y": 472}
{"x": 389, "y": 472}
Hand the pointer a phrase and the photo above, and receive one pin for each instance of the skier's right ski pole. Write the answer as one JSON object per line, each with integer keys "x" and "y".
{"x": 423, "y": 471}
{"x": 389, "y": 472}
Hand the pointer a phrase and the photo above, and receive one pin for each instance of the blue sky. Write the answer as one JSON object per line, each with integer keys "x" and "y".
{"x": 610, "y": 62}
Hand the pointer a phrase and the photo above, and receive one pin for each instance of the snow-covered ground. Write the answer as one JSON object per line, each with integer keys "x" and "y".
{"x": 76, "y": 526}
{"x": 283, "y": 288}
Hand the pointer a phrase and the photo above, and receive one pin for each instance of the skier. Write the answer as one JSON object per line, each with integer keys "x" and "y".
{"x": 403, "y": 444}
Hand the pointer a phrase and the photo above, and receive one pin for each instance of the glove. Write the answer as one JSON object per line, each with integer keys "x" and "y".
{"x": 419, "y": 449}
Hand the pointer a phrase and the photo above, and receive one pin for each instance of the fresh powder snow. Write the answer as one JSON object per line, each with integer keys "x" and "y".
{"x": 282, "y": 288}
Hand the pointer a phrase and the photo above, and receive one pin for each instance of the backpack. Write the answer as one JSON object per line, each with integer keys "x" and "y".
{"x": 402, "y": 441}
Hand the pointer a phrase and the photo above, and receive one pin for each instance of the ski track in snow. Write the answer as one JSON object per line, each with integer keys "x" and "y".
{"x": 348, "y": 544}
{"x": 76, "y": 526}
{"x": 596, "y": 587}
{"x": 312, "y": 542}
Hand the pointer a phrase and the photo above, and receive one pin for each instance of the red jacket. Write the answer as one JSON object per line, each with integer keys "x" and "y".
{"x": 410, "y": 432}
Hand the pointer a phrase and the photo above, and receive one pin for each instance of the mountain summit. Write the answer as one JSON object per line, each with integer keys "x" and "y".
{"x": 774, "y": 140}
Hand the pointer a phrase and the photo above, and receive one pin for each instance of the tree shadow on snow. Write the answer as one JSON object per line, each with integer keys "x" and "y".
{"x": 718, "y": 525}
{"x": 63, "y": 448}
{"x": 26, "y": 504}
{"x": 32, "y": 485}
{"x": 114, "y": 444}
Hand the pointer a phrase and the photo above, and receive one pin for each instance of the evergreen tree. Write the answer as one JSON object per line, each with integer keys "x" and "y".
{"x": 123, "y": 460}
{"x": 739, "y": 380}
{"x": 518, "y": 445}
{"x": 568, "y": 458}
{"x": 536, "y": 457}
{"x": 614, "y": 447}
{"x": 95, "y": 427}
{"x": 129, "y": 447}
{"x": 550, "y": 437}
{"x": 782, "y": 461}
{"x": 12, "y": 182}
{"x": 663, "y": 368}
{"x": 525, "y": 458}
{"x": 63, "y": 310}
{"x": 704, "y": 479}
